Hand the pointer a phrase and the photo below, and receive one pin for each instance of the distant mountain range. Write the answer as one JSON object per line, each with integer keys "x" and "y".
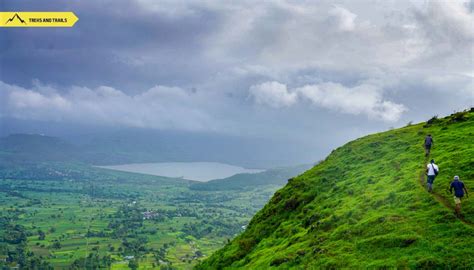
{"x": 31, "y": 148}
{"x": 105, "y": 145}
{"x": 136, "y": 146}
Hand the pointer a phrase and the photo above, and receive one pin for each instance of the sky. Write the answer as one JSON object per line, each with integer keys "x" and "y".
{"x": 312, "y": 73}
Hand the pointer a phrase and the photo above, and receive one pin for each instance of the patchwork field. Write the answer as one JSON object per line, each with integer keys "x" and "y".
{"x": 117, "y": 220}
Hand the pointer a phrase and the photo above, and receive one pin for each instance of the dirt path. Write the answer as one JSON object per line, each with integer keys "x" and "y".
{"x": 439, "y": 197}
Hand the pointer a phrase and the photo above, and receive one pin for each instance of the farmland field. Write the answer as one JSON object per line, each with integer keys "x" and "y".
{"x": 75, "y": 216}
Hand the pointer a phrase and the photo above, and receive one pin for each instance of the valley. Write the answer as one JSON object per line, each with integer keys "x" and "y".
{"x": 74, "y": 216}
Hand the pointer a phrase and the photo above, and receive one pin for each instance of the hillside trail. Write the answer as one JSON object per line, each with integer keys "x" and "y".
{"x": 440, "y": 198}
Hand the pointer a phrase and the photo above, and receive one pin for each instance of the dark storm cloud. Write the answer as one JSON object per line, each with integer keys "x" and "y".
{"x": 312, "y": 72}
{"x": 112, "y": 38}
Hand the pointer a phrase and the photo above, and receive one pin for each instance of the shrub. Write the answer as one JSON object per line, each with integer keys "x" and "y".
{"x": 433, "y": 120}
{"x": 310, "y": 220}
{"x": 292, "y": 204}
{"x": 278, "y": 261}
{"x": 246, "y": 244}
{"x": 458, "y": 117}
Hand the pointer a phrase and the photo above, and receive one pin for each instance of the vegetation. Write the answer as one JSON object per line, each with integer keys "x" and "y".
{"x": 242, "y": 181}
{"x": 73, "y": 216}
{"x": 366, "y": 206}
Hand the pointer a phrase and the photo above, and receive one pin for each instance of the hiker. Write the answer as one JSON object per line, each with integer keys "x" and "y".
{"x": 432, "y": 171}
{"x": 428, "y": 143}
{"x": 459, "y": 189}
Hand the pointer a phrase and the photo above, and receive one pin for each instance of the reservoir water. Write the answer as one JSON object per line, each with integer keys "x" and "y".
{"x": 199, "y": 171}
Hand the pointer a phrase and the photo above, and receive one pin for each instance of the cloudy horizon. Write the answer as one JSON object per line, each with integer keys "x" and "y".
{"x": 316, "y": 72}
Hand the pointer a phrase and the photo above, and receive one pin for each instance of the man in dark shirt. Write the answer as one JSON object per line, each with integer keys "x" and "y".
{"x": 428, "y": 142}
{"x": 459, "y": 189}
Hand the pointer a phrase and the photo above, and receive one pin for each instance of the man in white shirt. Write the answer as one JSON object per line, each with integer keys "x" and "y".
{"x": 432, "y": 171}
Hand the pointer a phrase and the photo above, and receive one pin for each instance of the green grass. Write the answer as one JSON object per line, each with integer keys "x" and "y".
{"x": 364, "y": 207}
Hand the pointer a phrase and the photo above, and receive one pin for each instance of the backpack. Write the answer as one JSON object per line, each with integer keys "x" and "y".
{"x": 434, "y": 169}
{"x": 428, "y": 140}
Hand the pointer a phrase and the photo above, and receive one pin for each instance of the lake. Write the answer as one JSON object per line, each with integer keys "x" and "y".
{"x": 199, "y": 171}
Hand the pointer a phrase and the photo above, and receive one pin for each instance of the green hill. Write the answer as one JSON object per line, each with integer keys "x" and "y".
{"x": 276, "y": 176}
{"x": 33, "y": 148}
{"x": 365, "y": 207}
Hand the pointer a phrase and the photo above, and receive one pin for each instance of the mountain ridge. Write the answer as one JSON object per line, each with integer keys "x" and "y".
{"x": 147, "y": 146}
{"x": 274, "y": 176}
{"x": 363, "y": 206}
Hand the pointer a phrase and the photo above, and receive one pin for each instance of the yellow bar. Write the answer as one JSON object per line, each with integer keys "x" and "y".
{"x": 37, "y": 19}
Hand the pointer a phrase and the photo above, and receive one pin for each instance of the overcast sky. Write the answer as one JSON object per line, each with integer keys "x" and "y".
{"x": 316, "y": 72}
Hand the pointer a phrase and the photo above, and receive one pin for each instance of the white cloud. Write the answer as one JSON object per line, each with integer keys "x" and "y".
{"x": 24, "y": 99}
{"x": 343, "y": 17}
{"x": 360, "y": 36}
{"x": 363, "y": 99}
{"x": 158, "y": 107}
{"x": 273, "y": 94}
{"x": 447, "y": 30}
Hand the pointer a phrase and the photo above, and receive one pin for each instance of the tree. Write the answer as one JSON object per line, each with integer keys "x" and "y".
{"x": 41, "y": 235}
{"x": 57, "y": 244}
{"x": 133, "y": 264}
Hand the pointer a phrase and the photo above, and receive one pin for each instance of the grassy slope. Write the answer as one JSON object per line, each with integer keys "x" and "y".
{"x": 364, "y": 207}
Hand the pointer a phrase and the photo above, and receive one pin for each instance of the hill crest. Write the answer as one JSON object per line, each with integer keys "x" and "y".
{"x": 363, "y": 206}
